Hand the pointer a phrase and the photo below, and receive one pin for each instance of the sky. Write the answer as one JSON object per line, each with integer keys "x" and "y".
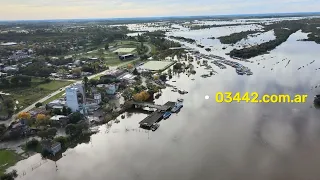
{"x": 74, "y": 9}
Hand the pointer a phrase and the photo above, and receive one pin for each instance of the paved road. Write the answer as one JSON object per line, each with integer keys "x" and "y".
{"x": 149, "y": 49}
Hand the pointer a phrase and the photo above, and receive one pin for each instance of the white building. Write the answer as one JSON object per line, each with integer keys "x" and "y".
{"x": 72, "y": 99}
{"x": 97, "y": 98}
{"x": 58, "y": 102}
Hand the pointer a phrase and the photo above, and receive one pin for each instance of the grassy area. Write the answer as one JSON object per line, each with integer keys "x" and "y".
{"x": 38, "y": 89}
{"x": 7, "y": 158}
{"x": 57, "y": 96}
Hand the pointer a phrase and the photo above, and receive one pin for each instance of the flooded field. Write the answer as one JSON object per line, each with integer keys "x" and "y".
{"x": 209, "y": 140}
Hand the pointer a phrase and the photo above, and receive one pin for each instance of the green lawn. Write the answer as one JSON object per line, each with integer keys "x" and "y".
{"x": 57, "y": 96}
{"x": 28, "y": 95}
{"x": 7, "y": 158}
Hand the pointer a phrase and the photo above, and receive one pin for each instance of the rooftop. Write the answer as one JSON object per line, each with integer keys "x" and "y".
{"x": 156, "y": 65}
{"x": 57, "y": 117}
{"x": 8, "y": 44}
{"x": 124, "y": 50}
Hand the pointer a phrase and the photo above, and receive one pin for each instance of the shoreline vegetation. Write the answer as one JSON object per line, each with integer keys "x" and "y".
{"x": 188, "y": 40}
{"x": 281, "y": 36}
{"x": 282, "y": 30}
{"x": 235, "y": 37}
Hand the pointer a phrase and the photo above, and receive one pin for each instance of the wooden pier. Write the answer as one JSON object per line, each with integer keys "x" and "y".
{"x": 164, "y": 107}
{"x": 155, "y": 116}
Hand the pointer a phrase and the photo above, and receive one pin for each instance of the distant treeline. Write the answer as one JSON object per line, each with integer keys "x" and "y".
{"x": 282, "y": 31}
{"x": 281, "y": 36}
{"x": 235, "y": 37}
{"x": 197, "y": 27}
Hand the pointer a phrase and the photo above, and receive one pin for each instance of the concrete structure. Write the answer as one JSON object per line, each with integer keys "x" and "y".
{"x": 155, "y": 66}
{"x": 72, "y": 99}
{"x": 75, "y": 98}
{"x": 97, "y": 98}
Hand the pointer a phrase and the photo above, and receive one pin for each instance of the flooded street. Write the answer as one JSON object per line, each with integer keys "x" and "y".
{"x": 210, "y": 140}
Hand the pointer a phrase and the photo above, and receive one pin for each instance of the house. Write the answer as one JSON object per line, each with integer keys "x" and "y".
{"x": 10, "y": 68}
{"x": 3, "y": 74}
{"x": 93, "y": 59}
{"x": 51, "y": 146}
{"x": 111, "y": 89}
{"x": 113, "y": 75}
{"x": 20, "y": 54}
{"x": 18, "y": 128}
{"x": 58, "y": 102}
{"x": 63, "y": 120}
{"x": 126, "y": 57}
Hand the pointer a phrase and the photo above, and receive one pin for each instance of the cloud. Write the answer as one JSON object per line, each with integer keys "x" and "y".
{"x": 60, "y": 9}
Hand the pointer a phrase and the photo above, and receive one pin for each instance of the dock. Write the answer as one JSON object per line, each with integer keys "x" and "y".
{"x": 151, "y": 119}
{"x": 164, "y": 107}
{"x": 155, "y": 116}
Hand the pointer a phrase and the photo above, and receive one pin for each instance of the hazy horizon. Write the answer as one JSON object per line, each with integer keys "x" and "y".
{"x": 100, "y": 9}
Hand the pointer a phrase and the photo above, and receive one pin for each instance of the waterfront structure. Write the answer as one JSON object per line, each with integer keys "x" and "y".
{"x": 51, "y": 146}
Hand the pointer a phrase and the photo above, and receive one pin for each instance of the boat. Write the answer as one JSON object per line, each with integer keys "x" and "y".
{"x": 155, "y": 126}
{"x": 177, "y": 107}
{"x": 166, "y": 115}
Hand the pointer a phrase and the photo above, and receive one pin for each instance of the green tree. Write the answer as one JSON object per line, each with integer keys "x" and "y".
{"x": 106, "y": 46}
{"x": 9, "y": 176}
{"x": 71, "y": 130}
{"x": 38, "y": 104}
{"x": 43, "y": 134}
{"x": 52, "y": 132}
{"x": 56, "y": 112}
{"x": 62, "y": 140}
{"x": 64, "y": 111}
{"x": 75, "y": 117}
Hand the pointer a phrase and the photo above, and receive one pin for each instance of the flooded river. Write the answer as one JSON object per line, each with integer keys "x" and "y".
{"x": 209, "y": 140}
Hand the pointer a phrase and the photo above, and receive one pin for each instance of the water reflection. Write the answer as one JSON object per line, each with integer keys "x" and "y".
{"x": 208, "y": 140}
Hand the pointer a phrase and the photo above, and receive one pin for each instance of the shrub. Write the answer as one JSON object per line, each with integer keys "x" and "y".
{"x": 32, "y": 144}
